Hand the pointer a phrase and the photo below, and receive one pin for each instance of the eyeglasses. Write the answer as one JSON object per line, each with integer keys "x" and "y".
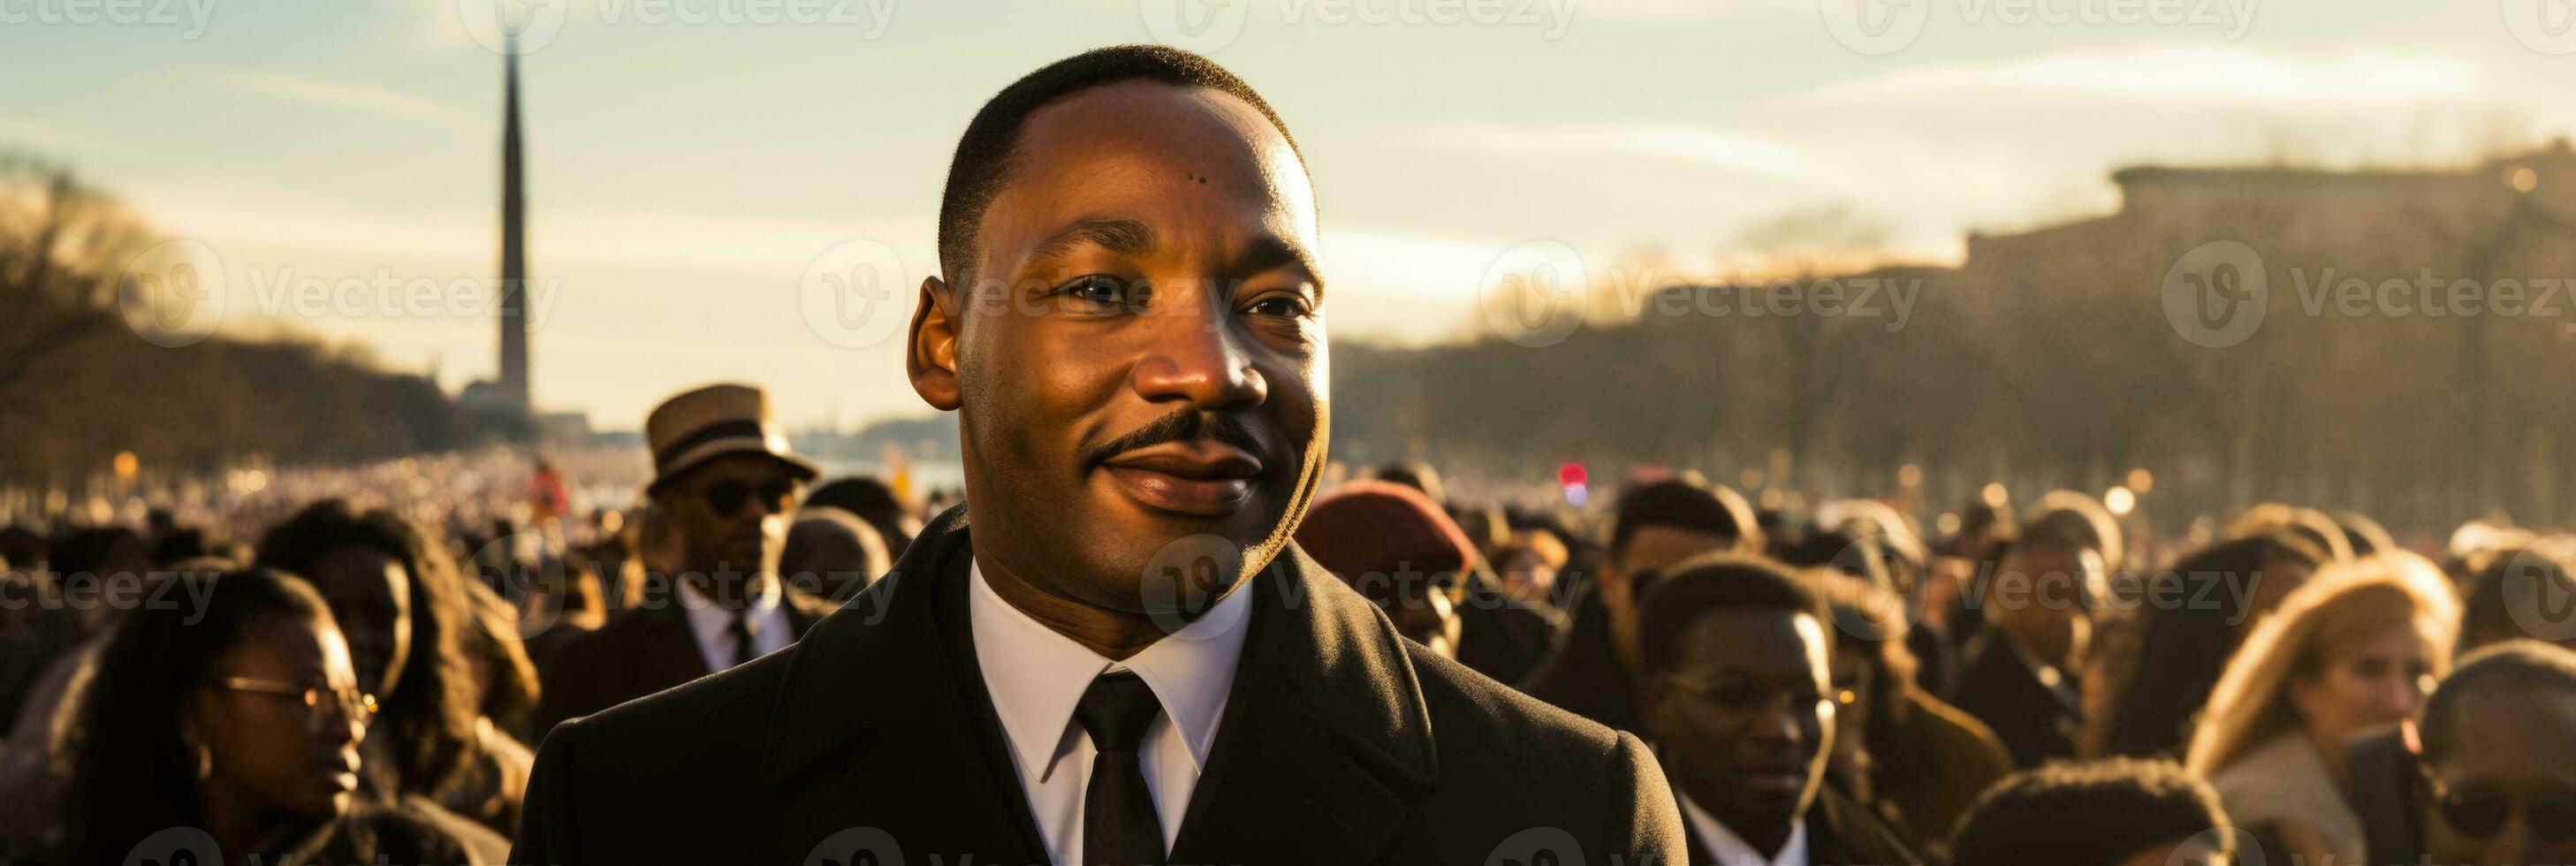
{"x": 727, "y": 497}
{"x": 356, "y": 705}
{"x": 2482, "y": 814}
{"x": 1743, "y": 697}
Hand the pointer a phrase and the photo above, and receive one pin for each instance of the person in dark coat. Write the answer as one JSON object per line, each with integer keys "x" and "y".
{"x": 1739, "y": 695}
{"x": 725, "y": 480}
{"x": 2020, "y": 677}
{"x": 1397, "y": 548}
{"x": 1125, "y": 659}
{"x": 1654, "y": 526}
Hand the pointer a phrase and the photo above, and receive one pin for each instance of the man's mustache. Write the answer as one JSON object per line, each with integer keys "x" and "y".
{"x": 1184, "y": 426}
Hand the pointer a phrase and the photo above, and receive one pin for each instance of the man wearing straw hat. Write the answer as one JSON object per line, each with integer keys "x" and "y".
{"x": 723, "y": 477}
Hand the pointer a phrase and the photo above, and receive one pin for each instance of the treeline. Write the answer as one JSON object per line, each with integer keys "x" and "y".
{"x": 78, "y": 384}
{"x": 2050, "y": 359}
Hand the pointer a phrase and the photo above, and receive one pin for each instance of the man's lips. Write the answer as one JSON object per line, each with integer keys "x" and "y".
{"x": 1199, "y": 477}
{"x": 1778, "y": 780}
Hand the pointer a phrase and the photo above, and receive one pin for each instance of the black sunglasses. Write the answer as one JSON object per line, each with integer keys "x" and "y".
{"x": 727, "y": 497}
{"x": 2482, "y": 814}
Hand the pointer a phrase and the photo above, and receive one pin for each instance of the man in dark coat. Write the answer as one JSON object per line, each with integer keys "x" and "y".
{"x": 726, "y": 481}
{"x": 1738, "y": 693}
{"x": 2020, "y": 674}
{"x": 1126, "y": 661}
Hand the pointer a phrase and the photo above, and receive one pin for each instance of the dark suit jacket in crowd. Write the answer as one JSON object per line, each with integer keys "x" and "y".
{"x": 1500, "y": 636}
{"x": 639, "y": 652}
{"x": 1840, "y": 832}
{"x": 1341, "y": 743}
{"x": 2035, "y": 722}
{"x": 1583, "y": 676}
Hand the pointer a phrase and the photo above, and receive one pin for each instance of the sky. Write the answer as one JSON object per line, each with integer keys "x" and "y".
{"x": 747, "y": 190}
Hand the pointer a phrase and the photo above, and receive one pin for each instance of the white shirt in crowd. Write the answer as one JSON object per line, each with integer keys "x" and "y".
{"x": 712, "y": 625}
{"x": 1732, "y": 850}
{"x": 1036, "y": 676}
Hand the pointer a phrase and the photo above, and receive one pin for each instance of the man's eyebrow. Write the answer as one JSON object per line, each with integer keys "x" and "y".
{"x": 1271, "y": 251}
{"x": 1124, "y": 237}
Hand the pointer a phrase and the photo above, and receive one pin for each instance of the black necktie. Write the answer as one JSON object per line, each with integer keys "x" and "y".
{"x": 743, "y": 631}
{"x": 1119, "y": 827}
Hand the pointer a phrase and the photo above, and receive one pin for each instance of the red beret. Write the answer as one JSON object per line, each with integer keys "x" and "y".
{"x": 1381, "y": 527}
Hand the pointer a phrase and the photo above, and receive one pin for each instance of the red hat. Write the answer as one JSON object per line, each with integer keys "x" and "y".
{"x": 1381, "y": 527}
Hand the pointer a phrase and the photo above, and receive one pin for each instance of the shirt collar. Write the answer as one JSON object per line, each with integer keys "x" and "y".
{"x": 1036, "y": 675}
{"x": 1732, "y": 850}
{"x": 711, "y": 621}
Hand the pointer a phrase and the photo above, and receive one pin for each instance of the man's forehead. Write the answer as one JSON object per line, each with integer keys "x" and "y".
{"x": 1142, "y": 140}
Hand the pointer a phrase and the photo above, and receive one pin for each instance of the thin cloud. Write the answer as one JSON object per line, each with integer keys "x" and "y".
{"x": 1747, "y": 153}
{"x": 2187, "y": 74}
{"x": 344, "y": 95}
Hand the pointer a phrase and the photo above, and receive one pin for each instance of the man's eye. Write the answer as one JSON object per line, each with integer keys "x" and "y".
{"x": 1281, "y": 306}
{"x": 1104, "y": 290}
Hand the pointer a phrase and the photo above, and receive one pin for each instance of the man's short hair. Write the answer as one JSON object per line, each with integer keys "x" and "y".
{"x": 1679, "y": 505}
{"x": 2089, "y": 814}
{"x": 2526, "y": 664}
{"x": 983, "y": 159}
{"x": 1718, "y": 582}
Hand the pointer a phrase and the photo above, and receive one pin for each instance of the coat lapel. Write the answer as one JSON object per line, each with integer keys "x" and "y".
{"x": 670, "y": 651}
{"x": 1325, "y": 741}
{"x": 876, "y": 723}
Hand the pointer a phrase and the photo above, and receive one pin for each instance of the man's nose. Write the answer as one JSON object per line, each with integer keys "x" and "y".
{"x": 1779, "y": 721}
{"x": 1197, "y": 357}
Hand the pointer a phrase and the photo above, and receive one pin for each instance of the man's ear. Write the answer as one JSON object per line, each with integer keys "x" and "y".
{"x": 930, "y": 354}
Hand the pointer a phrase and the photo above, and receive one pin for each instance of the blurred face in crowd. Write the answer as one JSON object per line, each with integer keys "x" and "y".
{"x": 1423, "y": 607}
{"x": 2271, "y": 585}
{"x": 368, "y": 590}
{"x": 2044, "y": 599}
{"x": 1852, "y": 680}
{"x": 1142, "y": 357}
{"x": 274, "y": 756}
{"x": 1649, "y": 549}
{"x": 732, "y": 516}
{"x": 118, "y": 579}
{"x": 1530, "y": 564}
{"x": 1745, "y": 717}
{"x": 2378, "y": 680}
{"x": 2505, "y": 786}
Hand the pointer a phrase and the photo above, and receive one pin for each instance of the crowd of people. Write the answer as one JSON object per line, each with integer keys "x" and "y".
{"x": 1173, "y": 632}
{"x": 1823, "y": 687}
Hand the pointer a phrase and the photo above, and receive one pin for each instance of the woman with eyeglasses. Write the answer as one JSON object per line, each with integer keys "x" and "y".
{"x": 2354, "y": 649}
{"x": 2499, "y": 759}
{"x": 230, "y": 717}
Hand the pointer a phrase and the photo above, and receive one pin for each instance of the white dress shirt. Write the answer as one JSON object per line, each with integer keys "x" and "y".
{"x": 1036, "y": 676}
{"x": 712, "y": 625}
{"x": 1732, "y": 850}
